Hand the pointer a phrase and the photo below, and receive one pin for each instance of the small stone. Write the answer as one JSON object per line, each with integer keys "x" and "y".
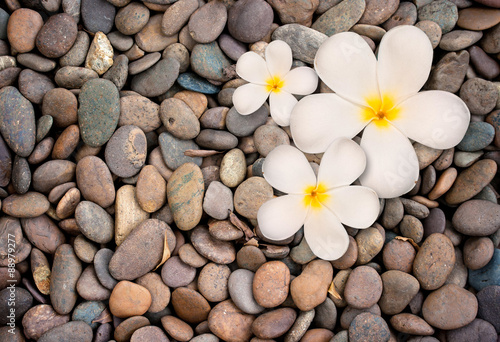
{"x": 370, "y": 242}
{"x": 213, "y": 282}
{"x": 450, "y": 307}
{"x": 399, "y": 255}
{"x": 377, "y": 12}
{"x": 406, "y": 14}
{"x": 249, "y": 21}
{"x": 479, "y": 95}
{"x": 250, "y": 195}
{"x": 76, "y": 55}
{"x": 43, "y": 233}
{"x": 179, "y": 119}
{"x": 208, "y": 22}
{"x": 477, "y": 218}
{"x": 411, "y": 324}
{"x": 399, "y": 288}
{"x": 363, "y": 287}
{"x": 190, "y": 256}
{"x": 274, "y": 323}
{"x": 151, "y": 37}
{"x": 149, "y": 333}
{"x": 229, "y": 323}
{"x": 175, "y": 273}
{"x": 88, "y": 312}
{"x": 127, "y": 327}
{"x": 94, "y": 222}
{"x": 218, "y": 201}
{"x": 98, "y": 15}
{"x": 449, "y": 72}
{"x": 66, "y": 270}
{"x": 368, "y": 327}
{"x": 22, "y": 29}
{"x": 478, "y": 251}
{"x": 250, "y": 258}
{"x": 139, "y": 111}
{"x": 28, "y": 205}
{"x": 233, "y": 168}
{"x": 478, "y": 19}
{"x": 85, "y": 249}
{"x": 488, "y": 275}
{"x": 101, "y": 263}
{"x": 129, "y": 299}
{"x": 443, "y": 184}
{"x": 349, "y": 258}
{"x": 208, "y": 61}
{"x": 488, "y": 305}
{"x": 271, "y": 284}
{"x": 303, "y": 41}
{"x": 76, "y": 331}
{"x": 41, "y": 318}
{"x": 341, "y": 17}
{"x": 240, "y": 289}
{"x": 126, "y": 151}
{"x": 193, "y": 82}
{"x": 94, "y": 181}
{"x": 393, "y": 213}
{"x": 57, "y": 35}
{"x": 190, "y": 305}
{"x": 443, "y": 12}
{"x": 176, "y": 328}
{"x": 432, "y": 30}
{"x": 100, "y": 55}
{"x": 132, "y": 18}
{"x": 220, "y": 252}
{"x": 156, "y": 80}
{"x": 479, "y": 329}
{"x": 160, "y": 293}
{"x": 459, "y": 40}
{"x": 151, "y": 189}
{"x": 177, "y": 15}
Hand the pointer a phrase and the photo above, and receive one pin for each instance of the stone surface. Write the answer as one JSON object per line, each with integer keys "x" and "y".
{"x": 57, "y": 35}
{"x": 310, "y": 288}
{"x": 66, "y": 270}
{"x": 249, "y": 21}
{"x": 271, "y": 284}
{"x": 229, "y": 323}
{"x": 129, "y": 299}
{"x": 340, "y": 18}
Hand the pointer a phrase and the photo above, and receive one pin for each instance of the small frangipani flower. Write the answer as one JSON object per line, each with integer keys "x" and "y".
{"x": 321, "y": 204}
{"x": 382, "y": 97}
{"x": 272, "y": 78}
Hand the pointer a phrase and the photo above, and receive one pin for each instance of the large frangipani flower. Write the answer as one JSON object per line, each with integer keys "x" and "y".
{"x": 320, "y": 203}
{"x": 380, "y": 96}
{"x": 272, "y": 77}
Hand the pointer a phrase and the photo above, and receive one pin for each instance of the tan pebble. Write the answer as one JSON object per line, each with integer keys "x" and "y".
{"x": 176, "y": 328}
{"x": 444, "y": 183}
{"x": 151, "y": 189}
{"x": 425, "y": 201}
{"x": 250, "y": 195}
{"x": 100, "y": 55}
{"x": 151, "y": 37}
{"x": 445, "y": 159}
{"x": 426, "y": 155}
{"x": 128, "y": 213}
{"x": 411, "y": 324}
{"x": 232, "y": 168}
{"x": 271, "y": 284}
{"x": 363, "y": 287}
{"x": 129, "y": 299}
{"x": 370, "y": 243}
{"x": 160, "y": 293}
{"x": 66, "y": 143}
{"x": 229, "y": 323}
{"x": 310, "y": 288}
{"x": 196, "y": 101}
{"x": 190, "y": 305}
{"x": 126, "y": 329}
{"x": 22, "y": 29}
{"x": 67, "y": 205}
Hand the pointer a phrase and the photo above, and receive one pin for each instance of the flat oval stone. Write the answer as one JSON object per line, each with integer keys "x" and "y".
{"x": 488, "y": 303}
{"x": 177, "y": 328}
{"x": 177, "y": 15}
{"x": 274, "y": 323}
{"x": 149, "y": 333}
{"x": 173, "y": 150}
{"x": 478, "y": 251}
{"x": 213, "y": 282}
{"x": 151, "y": 189}
{"x": 377, "y": 12}
{"x": 57, "y": 35}
{"x": 459, "y": 39}
{"x": 160, "y": 293}
{"x": 218, "y": 202}
{"x": 34, "y": 85}
{"x": 118, "y": 73}
{"x": 271, "y": 284}
{"x": 478, "y": 18}
{"x": 216, "y": 139}
{"x": 406, "y": 14}
{"x": 221, "y": 252}
{"x": 479, "y": 95}
{"x": 128, "y": 212}
{"x": 99, "y": 111}
{"x": 250, "y": 195}
{"x": 71, "y": 77}
{"x": 36, "y": 62}
{"x": 340, "y": 18}
{"x": 43, "y": 233}
{"x": 22, "y": 29}
{"x": 240, "y": 289}
{"x": 158, "y": 79}
{"x": 399, "y": 288}
{"x": 143, "y": 63}
{"x": 249, "y": 21}
{"x": 185, "y": 195}
{"x": 21, "y": 175}
{"x": 190, "y": 256}
{"x": 443, "y": 12}
{"x": 85, "y": 249}
{"x": 139, "y": 111}
{"x": 151, "y": 37}
{"x": 61, "y": 105}
{"x": 179, "y": 119}
{"x": 363, "y": 288}
{"x": 126, "y": 150}
{"x": 132, "y": 18}
{"x": 66, "y": 269}
{"x": 129, "y": 299}
{"x": 478, "y": 136}
{"x": 175, "y": 273}
{"x": 310, "y": 288}
{"x": 101, "y": 262}
{"x": 245, "y": 125}
{"x": 208, "y": 22}
{"x": 233, "y": 168}
{"x": 94, "y": 181}
{"x": 471, "y": 181}
{"x": 40, "y": 319}
{"x": 488, "y": 275}
{"x": 120, "y": 41}
{"x": 98, "y": 15}
{"x": 208, "y": 60}
{"x": 30, "y": 204}
{"x": 450, "y": 307}
{"x": 127, "y": 327}
{"x": 190, "y": 305}
{"x": 477, "y": 218}
{"x": 449, "y": 72}
{"x": 193, "y": 82}
{"x": 411, "y": 324}
{"x": 17, "y": 121}
{"x": 76, "y": 55}
{"x": 94, "y": 222}
{"x": 76, "y": 331}
{"x": 229, "y": 323}
{"x": 368, "y": 327}
{"x": 88, "y": 312}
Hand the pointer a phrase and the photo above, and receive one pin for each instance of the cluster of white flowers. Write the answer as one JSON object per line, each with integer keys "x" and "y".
{"x": 379, "y": 96}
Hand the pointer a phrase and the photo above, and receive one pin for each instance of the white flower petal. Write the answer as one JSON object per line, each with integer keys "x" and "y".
{"x": 404, "y": 62}
{"x": 435, "y": 118}
{"x": 325, "y": 235}
{"x": 391, "y": 162}
{"x": 287, "y": 169}
{"x": 278, "y": 58}
{"x": 281, "y": 217}
{"x": 319, "y": 119}
{"x": 355, "y": 206}
{"x": 249, "y": 97}
{"x": 348, "y": 66}
{"x": 343, "y": 162}
{"x": 252, "y": 68}
{"x": 301, "y": 81}
{"x": 281, "y": 104}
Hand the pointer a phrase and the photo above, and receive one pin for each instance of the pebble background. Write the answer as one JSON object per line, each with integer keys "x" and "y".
{"x": 120, "y": 148}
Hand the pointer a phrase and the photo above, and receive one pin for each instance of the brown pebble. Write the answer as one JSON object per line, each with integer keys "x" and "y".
{"x": 443, "y": 184}
{"x": 229, "y": 323}
{"x": 411, "y": 324}
{"x": 190, "y": 305}
{"x": 363, "y": 287}
{"x": 129, "y": 299}
{"x": 22, "y": 29}
{"x": 478, "y": 251}
{"x": 176, "y": 328}
{"x": 271, "y": 283}
{"x": 67, "y": 142}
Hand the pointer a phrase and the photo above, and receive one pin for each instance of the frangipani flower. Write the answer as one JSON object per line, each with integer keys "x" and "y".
{"x": 380, "y": 96}
{"x": 272, "y": 77}
{"x": 320, "y": 203}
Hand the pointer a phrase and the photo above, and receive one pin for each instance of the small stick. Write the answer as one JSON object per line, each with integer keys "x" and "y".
{"x": 240, "y": 225}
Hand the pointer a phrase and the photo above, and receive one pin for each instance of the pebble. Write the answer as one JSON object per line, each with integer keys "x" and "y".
{"x": 443, "y": 12}
{"x": 406, "y": 14}
{"x": 478, "y": 136}
{"x": 77, "y": 53}
{"x": 177, "y": 15}
{"x": 250, "y": 21}
{"x": 21, "y": 175}
{"x": 127, "y": 327}
{"x": 393, "y": 213}
{"x": 459, "y": 39}
{"x": 488, "y": 275}
{"x": 126, "y": 151}
{"x": 190, "y": 305}
{"x": 132, "y": 18}
{"x": 216, "y": 140}
{"x": 101, "y": 263}
{"x": 363, "y": 287}
{"x": 341, "y": 17}
{"x": 477, "y": 218}
{"x": 196, "y": 101}
{"x": 98, "y": 15}
{"x": 478, "y": 19}
{"x": 175, "y": 273}
{"x": 370, "y": 242}
{"x": 30, "y": 204}
{"x": 160, "y": 293}
{"x": 94, "y": 181}
{"x": 450, "y": 307}
{"x": 443, "y": 184}
{"x": 74, "y": 77}
{"x": 143, "y": 63}
{"x": 76, "y": 331}
{"x": 176, "y": 328}
{"x": 41, "y": 271}
{"x": 118, "y": 72}
{"x": 411, "y": 324}
{"x": 22, "y": 29}
{"x": 179, "y": 119}
{"x": 193, "y": 82}
{"x": 489, "y": 43}
{"x": 479, "y": 95}
{"x": 185, "y": 195}
{"x": 479, "y": 329}
{"x": 208, "y": 22}
{"x": 484, "y": 64}
{"x": 139, "y": 111}
{"x": 213, "y": 282}
{"x": 349, "y": 258}
{"x": 41, "y": 318}
{"x": 61, "y": 105}
{"x": 274, "y": 323}
{"x": 220, "y": 252}
{"x": 471, "y": 181}
{"x": 218, "y": 201}
{"x": 43, "y": 233}
{"x": 399, "y": 288}
{"x": 23, "y": 301}
{"x": 15, "y": 108}
{"x": 66, "y": 269}
{"x": 377, "y": 12}
{"x": 151, "y": 189}
{"x": 241, "y": 293}
{"x": 231, "y": 47}
{"x": 85, "y": 250}
{"x": 208, "y": 61}
{"x": 250, "y": 258}
{"x": 434, "y": 223}
{"x": 303, "y": 41}
{"x": 233, "y": 168}
{"x": 271, "y": 284}
{"x": 98, "y": 112}
{"x": 229, "y": 323}
{"x": 57, "y": 35}
{"x": 250, "y": 195}
{"x": 466, "y": 159}
{"x": 129, "y": 299}
{"x": 310, "y": 288}
{"x": 190, "y": 256}
{"x": 449, "y": 72}
{"x": 100, "y": 55}
{"x": 156, "y": 80}
{"x": 94, "y": 222}
{"x": 88, "y": 312}
{"x": 488, "y": 305}
{"x": 34, "y": 85}
{"x": 478, "y": 251}
{"x": 149, "y": 333}
{"x": 368, "y": 327}
{"x": 399, "y": 254}
{"x": 120, "y": 41}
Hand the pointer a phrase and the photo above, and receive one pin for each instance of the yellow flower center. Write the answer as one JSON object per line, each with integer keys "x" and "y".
{"x": 315, "y": 195}
{"x": 381, "y": 110}
{"x": 274, "y": 84}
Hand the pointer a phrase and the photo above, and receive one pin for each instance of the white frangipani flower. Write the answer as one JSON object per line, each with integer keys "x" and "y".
{"x": 320, "y": 203}
{"x": 272, "y": 77}
{"x": 380, "y": 96}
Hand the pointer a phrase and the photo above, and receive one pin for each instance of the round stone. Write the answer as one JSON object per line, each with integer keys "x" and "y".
{"x": 399, "y": 288}
{"x": 268, "y": 137}
{"x": 274, "y": 323}
{"x": 94, "y": 181}
{"x": 132, "y": 18}
{"x": 213, "y": 282}
{"x": 179, "y": 119}
{"x": 94, "y": 222}
{"x": 57, "y": 35}
{"x": 126, "y": 151}
{"x": 271, "y": 284}
{"x": 363, "y": 287}
{"x": 240, "y": 284}
{"x": 151, "y": 191}
{"x": 208, "y": 22}
{"x": 368, "y": 327}
{"x": 175, "y": 273}
{"x": 228, "y": 322}
{"x": 129, "y": 299}
{"x": 160, "y": 293}
{"x": 250, "y": 195}
{"x": 22, "y": 29}
{"x": 249, "y": 21}
{"x": 190, "y": 305}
